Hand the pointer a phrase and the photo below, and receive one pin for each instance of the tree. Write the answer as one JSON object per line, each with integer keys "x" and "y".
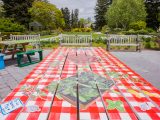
{"x": 153, "y": 12}
{"x": 1, "y": 9}
{"x": 74, "y": 18}
{"x": 66, "y": 16}
{"x": 100, "y": 10}
{"x": 76, "y": 13}
{"x": 18, "y": 10}
{"x": 47, "y": 14}
{"x": 122, "y": 13}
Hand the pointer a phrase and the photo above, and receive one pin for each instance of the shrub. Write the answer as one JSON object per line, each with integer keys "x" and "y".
{"x": 7, "y": 25}
{"x": 81, "y": 30}
{"x": 142, "y": 32}
{"x": 150, "y": 30}
{"x": 130, "y": 32}
{"x": 139, "y": 25}
{"x": 105, "y": 29}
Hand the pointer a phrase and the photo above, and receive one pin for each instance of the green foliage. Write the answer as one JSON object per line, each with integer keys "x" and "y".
{"x": 105, "y": 29}
{"x": 66, "y": 16}
{"x": 100, "y": 10}
{"x": 7, "y": 25}
{"x": 122, "y": 13}
{"x": 1, "y": 9}
{"x": 153, "y": 14}
{"x": 139, "y": 25}
{"x": 81, "y": 30}
{"x": 18, "y": 9}
{"x": 47, "y": 14}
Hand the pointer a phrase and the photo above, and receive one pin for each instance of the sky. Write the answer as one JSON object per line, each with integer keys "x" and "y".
{"x": 86, "y": 7}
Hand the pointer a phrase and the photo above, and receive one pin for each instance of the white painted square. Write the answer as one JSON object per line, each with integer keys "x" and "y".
{"x": 85, "y": 116}
{"x": 43, "y": 116}
{"x": 130, "y": 73}
{"x": 30, "y": 103}
{"x": 134, "y": 103}
{"x": 40, "y": 86}
{"x": 103, "y": 116}
{"x": 65, "y": 116}
{"x": 19, "y": 94}
{"x": 127, "y": 95}
{"x": 122, "y": 87}
{"x": 30, "y": 80}
{"x": 99, "y": 104}
{"x": 144, "y": 116}
{"x": 66, "y": 104}
{"x": 113, "y": 95}
{"x": 47, "y": 104}
{"x": 147, "y": 87}
{"x": 23, "y": 116}
{"x": 125, "y": 116}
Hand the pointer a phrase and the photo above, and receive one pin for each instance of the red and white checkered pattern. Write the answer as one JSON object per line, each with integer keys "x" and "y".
{"x": 56, "y": 66}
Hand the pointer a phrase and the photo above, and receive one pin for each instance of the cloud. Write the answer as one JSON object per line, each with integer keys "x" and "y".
{"x": 86, "y": 7}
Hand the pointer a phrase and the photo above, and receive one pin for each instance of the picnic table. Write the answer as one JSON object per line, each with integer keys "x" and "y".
{"x": 84, "y": 84}
{"x": 14, "y": 43}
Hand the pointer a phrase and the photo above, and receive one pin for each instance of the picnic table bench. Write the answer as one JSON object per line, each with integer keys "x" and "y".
{"x": 75, "y": 40}
{"x": 123, "y": 40}
{"x": 29, "y": 53}
{"x": 18, "y": 43}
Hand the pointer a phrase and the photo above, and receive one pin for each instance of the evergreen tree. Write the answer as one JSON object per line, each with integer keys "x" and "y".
{"x": 18, "y": 10}
{"x": 76, "y": 13}
{"x": 100, "y": 10}
{"x": 66, "y": 16}
{"x": 153, "y": 12}
{"x": 72, "y": 19}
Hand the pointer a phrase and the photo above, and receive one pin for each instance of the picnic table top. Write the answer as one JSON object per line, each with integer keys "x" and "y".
{"x": 13, "y": 42}
{"x": 84, "y": 83}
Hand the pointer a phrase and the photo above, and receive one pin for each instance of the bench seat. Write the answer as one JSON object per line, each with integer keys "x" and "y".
{"x": 28, "y": 53}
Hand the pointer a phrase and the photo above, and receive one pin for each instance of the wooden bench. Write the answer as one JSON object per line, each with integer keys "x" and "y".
{"x": 75, "y": 40}
{"x": 34, "y": 40}
{"x": 123, "y": 40}
{"x": 29, "y": 53}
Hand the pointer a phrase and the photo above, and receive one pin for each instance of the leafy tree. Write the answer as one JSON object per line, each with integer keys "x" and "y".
{"x": 47, "y": 14}
{"x": 66, "y": 16}
{"x": 18, "y": 10}
{"x": 122, "y": 13}
{"x": 100, "y": 10}
{"x": 153, "y": 11}
{"x": 8, "y": 25}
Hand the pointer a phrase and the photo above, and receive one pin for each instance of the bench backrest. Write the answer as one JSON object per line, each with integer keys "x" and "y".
{"x": 85, "y": 40}
{"x": 24, "y": 37}
{"x": 123, "y": 39}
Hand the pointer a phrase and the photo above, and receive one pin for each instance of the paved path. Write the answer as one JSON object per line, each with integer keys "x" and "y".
{"x": 146, "y": 63}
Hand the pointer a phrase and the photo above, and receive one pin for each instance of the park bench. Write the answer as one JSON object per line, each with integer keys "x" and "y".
{"x": 29, "y": 53}
{"x": 123, "y": 40}
{"x": 34, "y": 40}
{"x": 75, "y": 40}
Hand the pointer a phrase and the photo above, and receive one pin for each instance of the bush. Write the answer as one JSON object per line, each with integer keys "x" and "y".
{"x": 150, "y": 30}
{"x": 81, "y": 30}
{"x": 139, "y": 25}
{"x": 142, "y": 32}
{"x": 7, "y": 25}
{"x": 105, "y": 29}
{"x": 130, "y": 32}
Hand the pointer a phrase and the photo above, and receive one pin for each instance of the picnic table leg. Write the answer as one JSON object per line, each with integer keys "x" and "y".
{"x": 29, "y": 58}
{"x": 14, "y": 50}
{"x": 4, "y": 49}
{"x": 40, "y": 55}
